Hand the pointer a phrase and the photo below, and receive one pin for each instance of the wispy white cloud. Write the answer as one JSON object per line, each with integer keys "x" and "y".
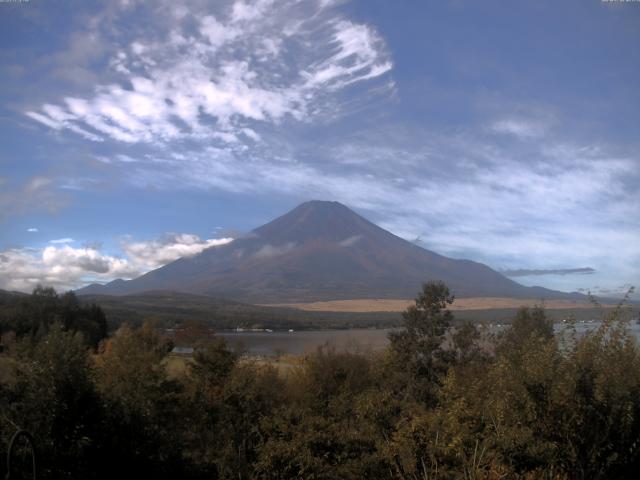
{"x": 269, "y": 251}
{"x": 243, "y": 67}
{"x": 521, "y": 128}
{"x": 62, "y": 240}
{"x": 355, "y": 56}
{"x": 32, "y": 230}
{"x": 524, "y": 121}
{"x": 37, "y": 193}
{"x": 348, "y": 242}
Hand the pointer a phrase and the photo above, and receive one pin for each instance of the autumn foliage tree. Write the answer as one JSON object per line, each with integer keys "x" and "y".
{"x": 418, "y": 349}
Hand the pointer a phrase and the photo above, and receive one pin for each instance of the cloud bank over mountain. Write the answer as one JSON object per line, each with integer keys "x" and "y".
{"x": 68, "y": 267}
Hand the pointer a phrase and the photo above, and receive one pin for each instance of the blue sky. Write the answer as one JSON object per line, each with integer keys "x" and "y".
{"x": 132, "y": 133}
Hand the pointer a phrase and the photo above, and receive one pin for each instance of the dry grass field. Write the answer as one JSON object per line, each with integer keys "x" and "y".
{"x": 398, "y": 305}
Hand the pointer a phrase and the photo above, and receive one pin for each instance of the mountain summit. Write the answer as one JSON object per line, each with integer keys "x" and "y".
{"x": 320, "y": 251}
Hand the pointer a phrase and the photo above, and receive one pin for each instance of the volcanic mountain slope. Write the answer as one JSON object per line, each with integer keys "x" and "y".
{"x": 320, "y": 251}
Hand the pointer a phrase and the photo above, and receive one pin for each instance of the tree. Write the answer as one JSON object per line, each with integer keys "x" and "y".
{"x": 466, "y": 344}
{"x": 212, "y": 364}
{"x": 33, "y": 315}
{"x": 54, "y": 398}
{"x": 419, "y": 348}
{"x": 144, "y": 424}
{"x": 528, "y": 323}
{"x": 329, "y": 427}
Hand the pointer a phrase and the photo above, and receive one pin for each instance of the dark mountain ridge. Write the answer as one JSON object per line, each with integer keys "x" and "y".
{"x": 321, "y": 251}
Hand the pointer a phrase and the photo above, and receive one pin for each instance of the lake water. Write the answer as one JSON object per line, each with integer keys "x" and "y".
{"x": 307, "y": 341}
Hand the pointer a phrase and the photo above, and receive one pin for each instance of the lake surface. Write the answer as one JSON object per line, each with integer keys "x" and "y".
{"x": 363, "y": 340}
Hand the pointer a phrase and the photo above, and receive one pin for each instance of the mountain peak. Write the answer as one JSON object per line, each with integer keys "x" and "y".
{"x": 315, "y": 219}
{"x": 326, "y": 204}
{"x": 320, "y": 207}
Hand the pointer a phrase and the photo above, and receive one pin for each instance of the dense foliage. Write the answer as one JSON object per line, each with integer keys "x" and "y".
{"x": 439, "y": 403}
{"x": 33, "y": 315}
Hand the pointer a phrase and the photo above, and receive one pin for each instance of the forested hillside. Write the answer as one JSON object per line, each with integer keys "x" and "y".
{"x": 439, "y": 403}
